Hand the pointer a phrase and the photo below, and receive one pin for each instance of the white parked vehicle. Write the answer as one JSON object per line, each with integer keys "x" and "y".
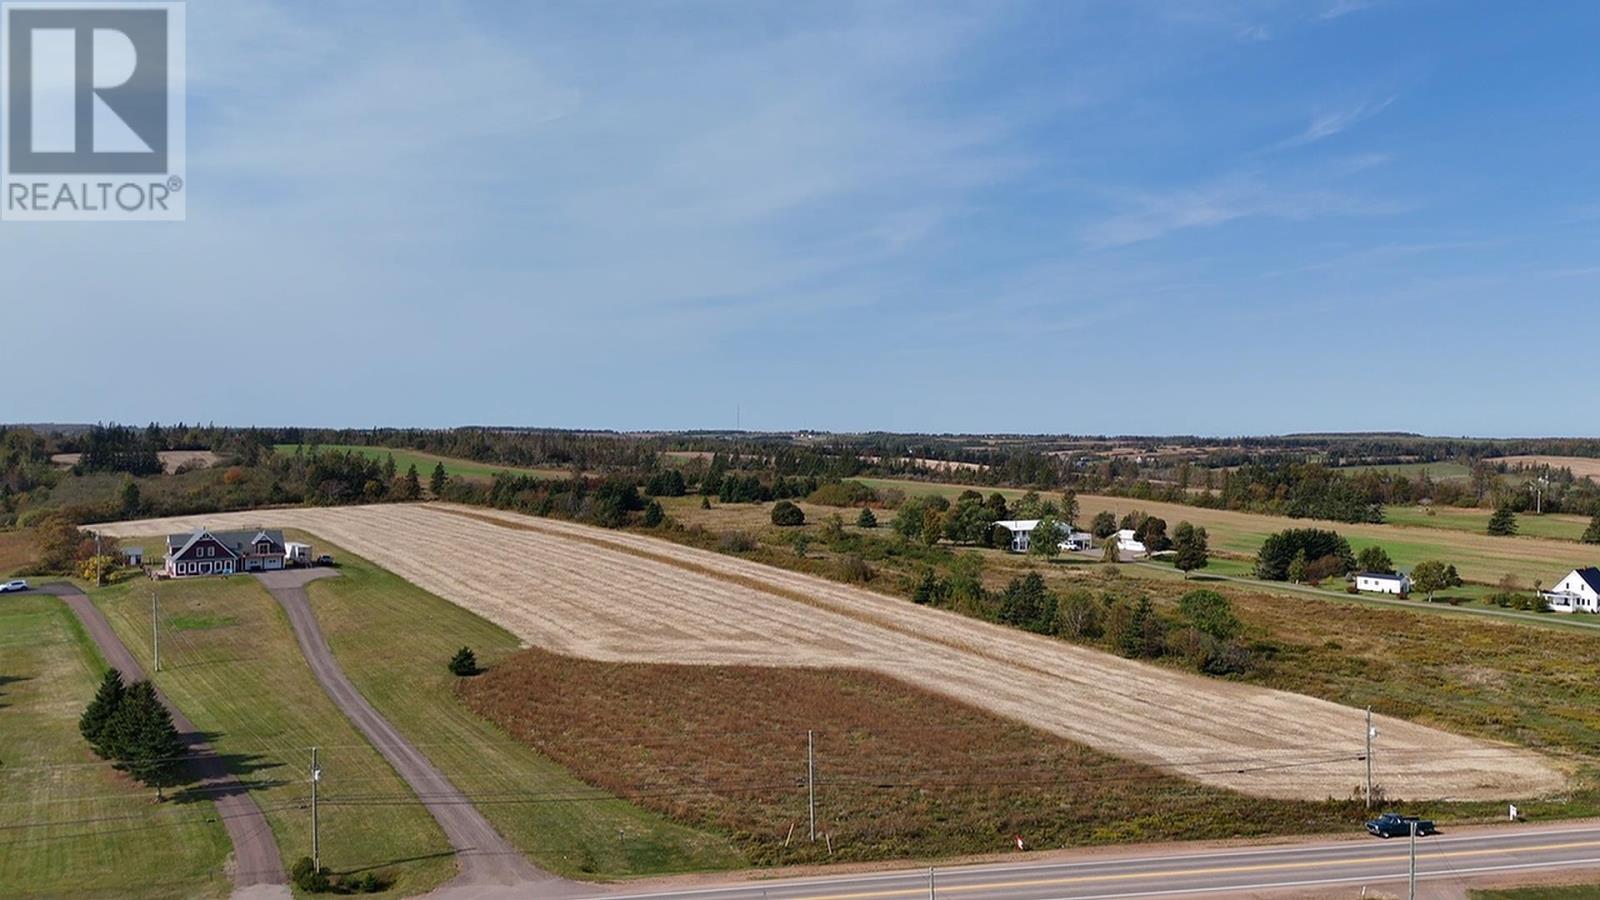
{"x": 18, "y": 585}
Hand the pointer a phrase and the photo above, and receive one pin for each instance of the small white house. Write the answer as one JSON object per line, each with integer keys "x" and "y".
{"x": 1383, "y": 583}
{"x": 1078, "y": 540}
{"x": 133, "y": 557}
{"x": 297, "y": 554}
{"x": 1578, "y": 592}
{"x": 1128, "y": 542}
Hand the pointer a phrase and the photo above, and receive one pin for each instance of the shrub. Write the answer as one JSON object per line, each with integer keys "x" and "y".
{"x": 867, "y": 519}
{"x": 854, "y": 569}
{"x": 736, "y": 542}
{"x": 842, "y": 493}
{"x": 787, "y": 515}
{"x": 1210, "y": 613}
{"x": 307, "y": 877}
{"x": 464, "y": 663}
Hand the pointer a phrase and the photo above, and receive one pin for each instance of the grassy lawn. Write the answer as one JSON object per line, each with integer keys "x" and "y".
{"x": 457, "y": 468}
{"x": 393, "y": 639}
{"x": 1478, "y": 557}
{"x": 231, "y": 663}
{"x": 70, "y": 824}
{"x": 1545, "y": 892}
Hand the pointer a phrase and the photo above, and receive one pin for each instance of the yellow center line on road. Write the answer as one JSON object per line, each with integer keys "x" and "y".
{"x": 1184, "y": 873}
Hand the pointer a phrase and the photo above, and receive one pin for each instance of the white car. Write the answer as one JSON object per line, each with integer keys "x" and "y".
{"x": 18, "y": 585}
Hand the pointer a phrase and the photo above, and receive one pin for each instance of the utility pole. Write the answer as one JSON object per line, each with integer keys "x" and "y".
{"x": 930, "y": 883}
{"x": 155, "y": 627}
{"x": 1412, "y": 895}
{"x": 811, "y": 782}
{"x": 316, "y": 848}
{"x": 1370, "y": 732}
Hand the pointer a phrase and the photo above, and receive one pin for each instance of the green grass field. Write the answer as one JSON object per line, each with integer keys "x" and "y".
{"x": 69, "y": 823}
{"x": 1478, "y": 557}
{"x": 1438, "y": 471}
{"x": 1554, "y": 526}
{"x": 425, "y": 462}
{"x": 394, "y": 639}
{"x": 230, "y": 662}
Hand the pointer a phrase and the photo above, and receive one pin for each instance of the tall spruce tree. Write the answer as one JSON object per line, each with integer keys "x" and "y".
{"x": 92, "y": 724}
{"x": 1591, "y": 535}
{"x": 1504, "y": 521}
{"x": 437, "y": 480}
{"x": 143, "y": 740}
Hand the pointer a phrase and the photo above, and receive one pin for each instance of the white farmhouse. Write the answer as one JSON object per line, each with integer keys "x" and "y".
{"x": 1578, "y": 592}
{"x": 1383, "y": 583}
{"x": 1128, "y": 542}
{"x": 1022, "y": 535}
{"x": 1021, "y": 532}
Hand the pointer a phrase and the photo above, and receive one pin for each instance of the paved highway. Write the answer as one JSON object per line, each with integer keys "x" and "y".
{"x": 1443, "y": 861}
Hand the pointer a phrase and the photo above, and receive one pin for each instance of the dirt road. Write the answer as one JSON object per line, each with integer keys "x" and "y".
{"x": 484, "y": 856}
{"x": 624, "y": 597}
{"x": 255, "y": 850}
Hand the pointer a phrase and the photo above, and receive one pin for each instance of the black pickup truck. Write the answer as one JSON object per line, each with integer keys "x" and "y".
{"x": 1391, "y": 825}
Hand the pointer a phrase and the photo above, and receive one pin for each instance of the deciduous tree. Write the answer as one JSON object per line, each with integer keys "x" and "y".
{"x": 1191, "y": 549}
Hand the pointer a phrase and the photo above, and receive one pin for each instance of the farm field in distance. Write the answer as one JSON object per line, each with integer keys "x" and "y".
{"x": 615, "y": 596}
{"x": 425, "y": 462}
{"x": 69, "y": 823}
{"x": 1581, "y": 466}
{"x": 1479, "y": 557}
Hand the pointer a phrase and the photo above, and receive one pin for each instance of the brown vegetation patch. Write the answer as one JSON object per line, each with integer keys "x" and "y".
{"x": 900, "y": 772}
{"x": 17, "y": 551}
{"x": 1581, "y": 466}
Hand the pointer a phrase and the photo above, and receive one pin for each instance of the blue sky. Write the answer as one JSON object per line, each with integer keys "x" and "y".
{"x": 1119, "y": 217}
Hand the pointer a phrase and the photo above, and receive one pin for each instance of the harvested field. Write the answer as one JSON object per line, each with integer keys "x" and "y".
{"x": 170, "y": 459}
{"x": 1581, "y": 466}
{"x": 901, "y": 772}
{"x": 620, "y": 597}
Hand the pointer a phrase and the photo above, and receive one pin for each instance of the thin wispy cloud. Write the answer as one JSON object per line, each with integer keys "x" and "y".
{"x": 1150, "y": 215}
{"x": 1324, "y": 125}
{"x": 1343, "y": 8}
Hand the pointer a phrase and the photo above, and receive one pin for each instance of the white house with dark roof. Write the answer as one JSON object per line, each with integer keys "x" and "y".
{"x": 207, "y": 552}
{"x": 1578, "y": 592}
{"x": 1383, "y": 583}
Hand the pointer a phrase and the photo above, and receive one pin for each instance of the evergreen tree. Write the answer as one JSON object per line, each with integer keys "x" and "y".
{"x": 1591, "y": 535}
{"x": 437, "y": 481}
{"x": 866, "y": 519}
{"x": 413, "y": 484}
{"x": 142, "y": 737}
{"x": 1297, "y": 567}
{"x": 1191, "y": 549}
{"x": 1131, "y": 642}
{"x": 705, "y": 502}
{"x": 92, "y": 724}
{"x": 1504, "y": 521}
{"x": 653, "y": 514}
{"x": 464, "y": 663}
{"x": 389, "y": 470}
{"x": 1069, "y": 509}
